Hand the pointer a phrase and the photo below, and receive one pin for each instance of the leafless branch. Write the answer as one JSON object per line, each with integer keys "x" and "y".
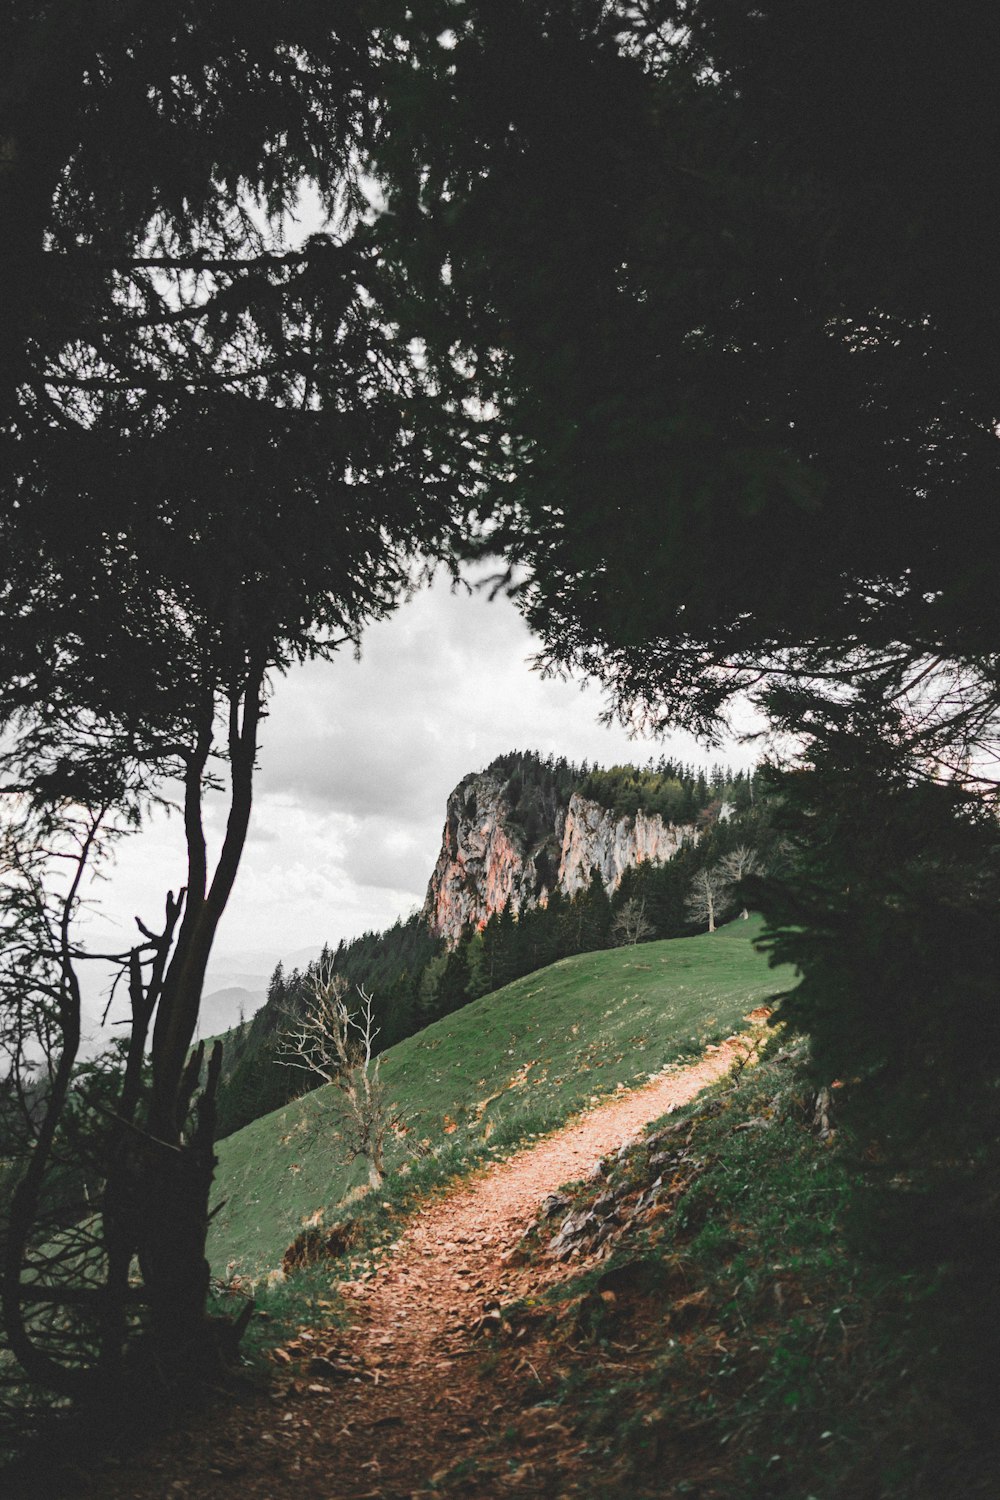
{"x": 329, "y": 1042}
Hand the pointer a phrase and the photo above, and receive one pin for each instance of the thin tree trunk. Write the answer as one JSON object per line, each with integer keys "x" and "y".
{"x": 122, "y": 1207}
{"x": 177, "y": 1173}
{"x": 177, "y": 1189}
{"x": 178, "y": 1015}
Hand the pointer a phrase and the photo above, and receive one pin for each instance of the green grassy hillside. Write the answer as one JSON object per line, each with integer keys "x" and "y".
{"x": 519, "y": 1060}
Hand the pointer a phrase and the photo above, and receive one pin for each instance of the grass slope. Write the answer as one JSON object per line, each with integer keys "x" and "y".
{"x": 517, "y": 1061}
{"x": 767, "y": 1334}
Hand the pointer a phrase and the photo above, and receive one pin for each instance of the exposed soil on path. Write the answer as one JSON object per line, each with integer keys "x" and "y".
{"x": 408, "y": 1392}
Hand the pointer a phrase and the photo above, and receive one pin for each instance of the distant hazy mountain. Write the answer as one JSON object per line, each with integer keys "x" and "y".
{"x": 226, "y": 1007}
{"x": 252, "y": 968}
{"x": 256, "y": 961}
{"x": 237, "y": 982}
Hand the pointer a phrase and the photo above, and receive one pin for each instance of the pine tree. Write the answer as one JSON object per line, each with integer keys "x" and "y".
{"x": 276, "y": 990}
{"x": 506, "y": 957}
{"x": 593, "y": 915}
{"x": 557, "y": 918}
{"x": 490, "y": 956}
{"x": 889, "y": 909}
{"x": 453, "y": 986}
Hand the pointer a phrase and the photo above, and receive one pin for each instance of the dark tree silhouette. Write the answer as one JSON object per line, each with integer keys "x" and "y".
{"x": 213, "y": 464}
{"x": 724, "y": 272}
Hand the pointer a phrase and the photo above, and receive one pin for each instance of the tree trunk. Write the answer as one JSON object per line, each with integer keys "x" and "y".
{"x": 172, "y": 1227}
{"x": 171, "y": 1234}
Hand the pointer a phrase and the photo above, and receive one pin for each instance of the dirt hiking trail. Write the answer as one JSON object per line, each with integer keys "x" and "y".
{"x": 407, "y": 1394}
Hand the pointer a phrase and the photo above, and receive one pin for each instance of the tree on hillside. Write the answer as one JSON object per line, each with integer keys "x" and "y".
{"x": 539, "y": 931}
{"x": 663, "y": 889}
{"x": 427, "y": 990}
{"x": 738, "y": 865}
{"x": 337, "y": 1048}
{"x": 590, "y": 915}
{"x": 631, "y": 925}
{"x": 888, "y": 910}
{"x": 499, "y": 949}
{"x": 707, "y": 896}
{"x": 453, "y": 986}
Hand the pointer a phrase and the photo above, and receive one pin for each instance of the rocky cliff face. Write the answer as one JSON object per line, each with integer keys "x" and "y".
{"x": 486, "y": 860}
{"x": 593, "y": 836}
{"x": 489, "y": 859}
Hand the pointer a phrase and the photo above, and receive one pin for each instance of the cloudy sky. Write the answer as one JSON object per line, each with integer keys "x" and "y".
{"x": 357, "y": 760}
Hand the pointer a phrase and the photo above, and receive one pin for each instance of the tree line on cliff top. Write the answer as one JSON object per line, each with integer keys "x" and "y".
{"x": 693, "y": 328}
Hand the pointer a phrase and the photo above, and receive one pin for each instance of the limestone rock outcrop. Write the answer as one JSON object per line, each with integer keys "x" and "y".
{"x": 486, "y": 860}
{"x": 593, "y": 836}
{"x": 494, "y": 853}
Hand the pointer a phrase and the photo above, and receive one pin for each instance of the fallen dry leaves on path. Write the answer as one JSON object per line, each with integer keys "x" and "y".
{"x": 406, "y": 1396}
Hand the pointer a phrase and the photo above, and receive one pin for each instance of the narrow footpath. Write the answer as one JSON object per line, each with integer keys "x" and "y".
{"x": 409, "y": 1402}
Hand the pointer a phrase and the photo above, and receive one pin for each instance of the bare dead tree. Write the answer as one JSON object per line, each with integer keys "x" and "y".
{"x": 336, "y": 1046}
{"x": 631, "y": 925}
{"x": 737, "y": 865}
{"x": 69, "y": 1306}
{"x": 39, "y": 1040}
{"x": 706, "y": 896}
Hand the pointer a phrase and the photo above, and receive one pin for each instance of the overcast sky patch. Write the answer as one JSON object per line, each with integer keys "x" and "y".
{"x": 357, "y": 760}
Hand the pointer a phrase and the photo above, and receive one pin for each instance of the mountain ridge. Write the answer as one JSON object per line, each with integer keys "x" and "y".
{"x": 523, "y": 828}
